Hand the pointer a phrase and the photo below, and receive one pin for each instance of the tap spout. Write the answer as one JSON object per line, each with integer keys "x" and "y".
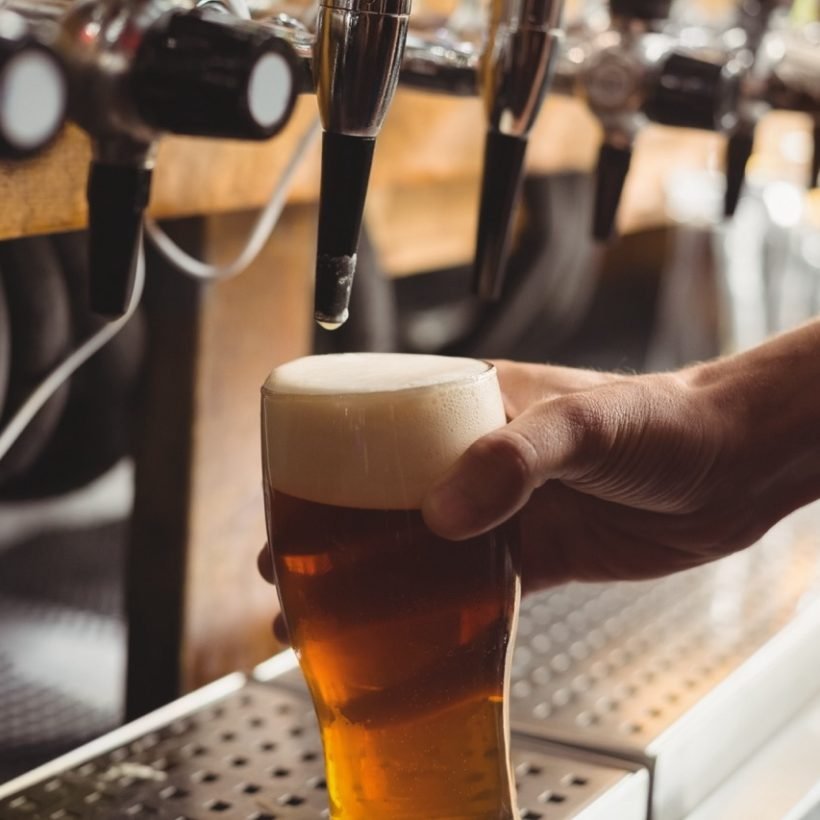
{"x": 357, "y": 57}
{"x": 516, "y": 72}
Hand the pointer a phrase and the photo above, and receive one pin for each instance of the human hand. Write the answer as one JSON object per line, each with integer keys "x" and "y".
{"x": 613, "y": 476}
{"x": 627, "y": 477}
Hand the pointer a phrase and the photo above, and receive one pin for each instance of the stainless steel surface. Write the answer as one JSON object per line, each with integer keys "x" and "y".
{"x": 690, "y": 673}
{"x": 788, "y": 76}
{"x": 439, "y": 62}
{"x": 246, "y": 750}
{"x": 522, "y": 43}
{"x": 781, "y": 780}
{"x": 356, "y": 60}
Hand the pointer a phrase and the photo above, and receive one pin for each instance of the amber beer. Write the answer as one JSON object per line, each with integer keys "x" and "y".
{"x": 404, "y": 638}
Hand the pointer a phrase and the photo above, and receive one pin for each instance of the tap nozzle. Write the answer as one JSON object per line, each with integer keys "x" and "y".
{"x": 516, "y": 71}
{"x": 500, "y": 191}
{"x": 738, "y": 150}
{"x": 610, "y": 176}
{"x": 345, "y": 173}
{"x": 117, "y": 198}
{"x": 356, "y": 61}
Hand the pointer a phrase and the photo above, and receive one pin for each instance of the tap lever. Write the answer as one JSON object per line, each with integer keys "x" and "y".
{"x": 641, "y": 9}
{"x": 500, "y": 186}
{"x": 815, "y": 155}
{"x": 738, "y": 150}
{"x": 610, "y": 175}
{"x": 346, "y": 162}
{"x": 210, "y": 74}
{"x": 691, "y": 92}
{"x": 117, "y": 198}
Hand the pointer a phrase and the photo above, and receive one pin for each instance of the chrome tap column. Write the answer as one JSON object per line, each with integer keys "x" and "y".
{"x": 356, "y": 60}
{"x": 515, "y": 73}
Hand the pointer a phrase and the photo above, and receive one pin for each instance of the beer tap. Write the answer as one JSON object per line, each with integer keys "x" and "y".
{"x": 753, "y": 20}
{"x": 615, "y": 80}
{"x": 357, "y": 55}
{"x": 140, "y": 68}
{"x": 514, "y": 75}
{"x": 787, "y": 77}
{"x": 635, "y": 72}
{"x": 30, "y": 72}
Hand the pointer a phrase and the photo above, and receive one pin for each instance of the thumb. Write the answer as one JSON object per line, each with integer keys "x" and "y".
{"x": 497, "y": 474}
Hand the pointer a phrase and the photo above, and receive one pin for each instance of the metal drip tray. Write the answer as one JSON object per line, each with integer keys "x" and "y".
{"x": 689, "y": 674}
{"x": 246, "y": 751}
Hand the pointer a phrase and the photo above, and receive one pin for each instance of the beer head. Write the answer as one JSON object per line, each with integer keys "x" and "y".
{"x": 373, "y": 430}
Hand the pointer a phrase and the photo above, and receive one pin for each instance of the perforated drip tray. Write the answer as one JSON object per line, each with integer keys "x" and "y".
{"x": 689, "y": 674}
{"x": 252, "y": 752}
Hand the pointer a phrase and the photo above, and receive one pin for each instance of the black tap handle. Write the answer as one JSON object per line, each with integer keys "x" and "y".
{"x": 117, "y": 197}
{"x": 692, "y": 93}
{"x": 346, "y": 162}
{"x": 641, "y": 9}
{"x": 815, "y": 155}
{"x": 610, "y": 176}
{"x": 33, "y": 90}
{"x": 208, "y": 74}
{"x": 738, "y": 150}
{"x": 500, "y": 190}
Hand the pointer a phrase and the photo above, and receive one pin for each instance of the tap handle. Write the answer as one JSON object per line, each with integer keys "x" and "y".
{"x": 500, "y": 184}
{"x": 641, "y": 9}
{"x": 738, "y": 150}
{"x": 692, "y": 93}
{"x": 610, "y": 175}
{"x": 33, "y": 90}
{"x": 815, "y": 155}
{"x": 207, "y": 73}
{"x": 117, "y": 197}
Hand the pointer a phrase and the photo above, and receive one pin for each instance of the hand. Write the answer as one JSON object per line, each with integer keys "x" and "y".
{"x": 626, "y": 477}
{"x": 613, "y": 476}
{"x": 264, "y": 562}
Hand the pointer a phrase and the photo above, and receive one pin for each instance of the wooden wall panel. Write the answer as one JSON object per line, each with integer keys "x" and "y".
{"x": 247, "y": 325}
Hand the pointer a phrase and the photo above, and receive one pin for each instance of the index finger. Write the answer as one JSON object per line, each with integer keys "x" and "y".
{"x": 265, "y": 564}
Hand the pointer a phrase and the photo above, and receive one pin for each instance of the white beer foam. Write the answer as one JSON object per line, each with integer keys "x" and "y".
{"x": 373, "y": 430}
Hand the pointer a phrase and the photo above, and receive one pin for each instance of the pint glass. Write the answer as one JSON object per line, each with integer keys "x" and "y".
{"x": 404, "y": 638}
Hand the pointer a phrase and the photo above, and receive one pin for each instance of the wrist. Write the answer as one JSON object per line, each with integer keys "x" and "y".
{"x": 766, "y": 399}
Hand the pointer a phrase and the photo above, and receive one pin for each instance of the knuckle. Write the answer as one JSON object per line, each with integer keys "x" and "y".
{"x": 508, "y": 454}
{"x": 588, "y": 425}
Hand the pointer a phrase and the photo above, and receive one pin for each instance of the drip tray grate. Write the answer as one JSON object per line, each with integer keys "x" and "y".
{"x": 689, "y": 674}
{"x": 254, "y": 754}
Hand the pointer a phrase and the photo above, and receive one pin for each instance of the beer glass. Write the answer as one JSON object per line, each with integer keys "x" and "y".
{"x": 404, "y": 638}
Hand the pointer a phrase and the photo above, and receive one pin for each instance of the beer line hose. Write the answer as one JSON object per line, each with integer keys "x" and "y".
{"x": 64, "y": 370}
{"x": 258, "y": 236}
{"x": 259, "y": 233}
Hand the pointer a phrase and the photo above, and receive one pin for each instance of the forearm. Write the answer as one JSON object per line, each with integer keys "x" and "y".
{"x": 770, "y": 398}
